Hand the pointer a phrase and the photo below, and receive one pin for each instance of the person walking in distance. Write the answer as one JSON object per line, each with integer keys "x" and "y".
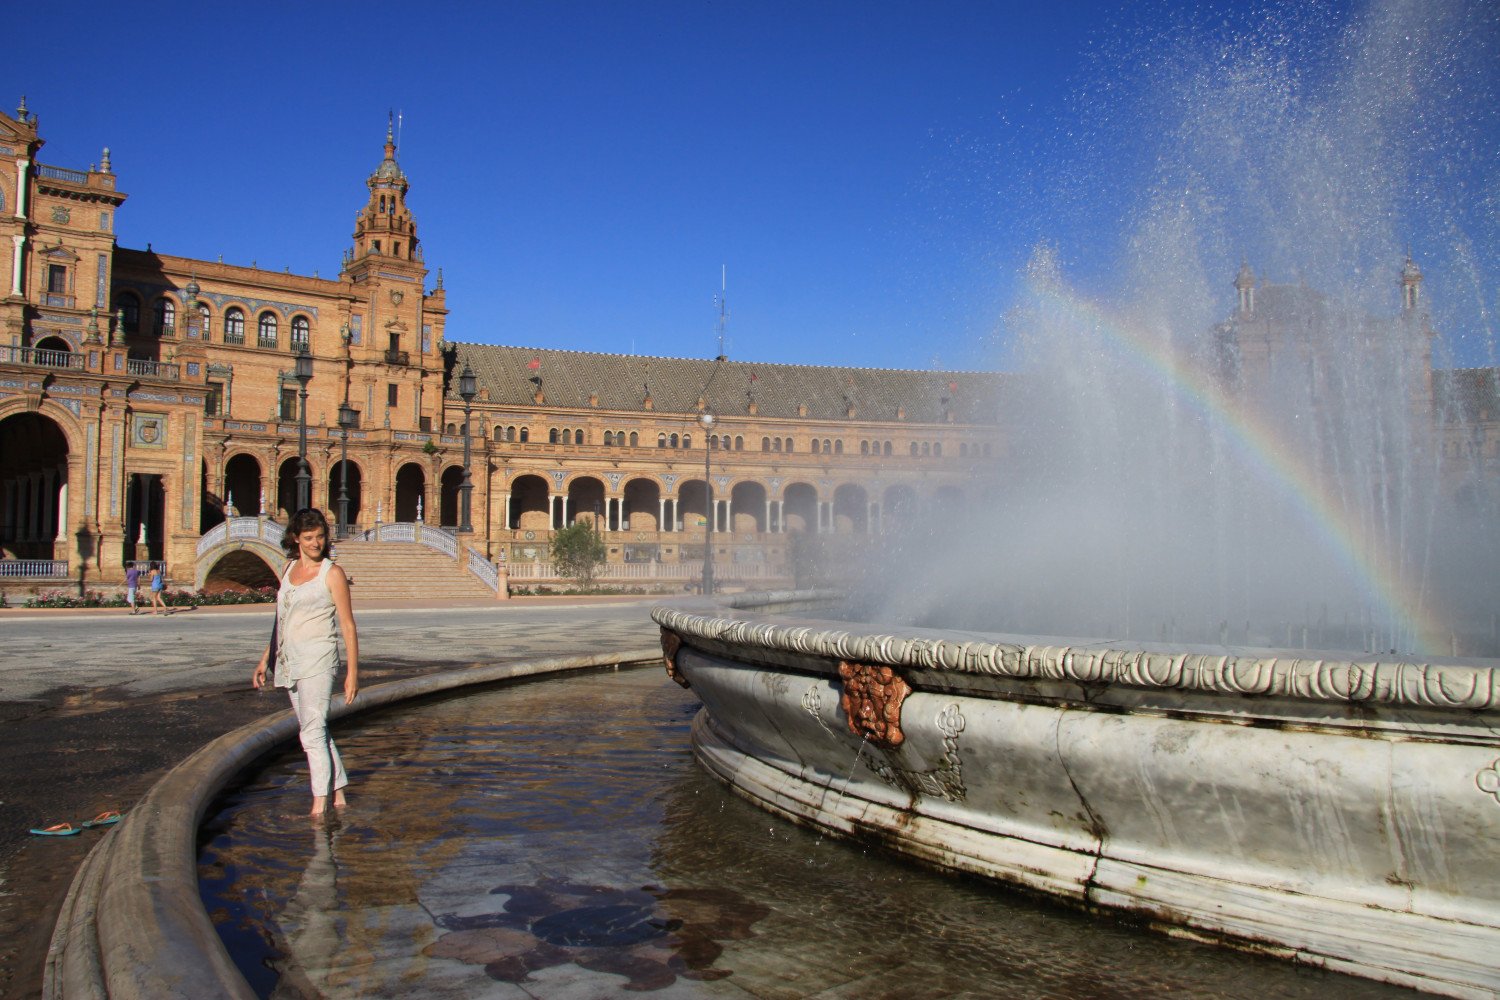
{"x": 158, "y": 584}
{"x": 312, "y": 609}
{"x": 132, "y": 585}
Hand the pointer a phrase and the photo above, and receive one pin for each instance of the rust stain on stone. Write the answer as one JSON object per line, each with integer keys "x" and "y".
{"x": 871, "y": 701}
{"x": 671, "y": 642}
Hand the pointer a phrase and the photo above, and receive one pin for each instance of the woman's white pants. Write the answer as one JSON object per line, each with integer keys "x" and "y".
{"x": 310, "y": 697}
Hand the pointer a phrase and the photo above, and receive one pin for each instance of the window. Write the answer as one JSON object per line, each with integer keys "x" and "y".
{"x": 265, "y": 330}
{"x": 234, "y": 325}
{"x": 661, "y": 440}
{"x": 525, "y": 434}
{"x": 914, "y": 449}
{"x": 937, "y": 449}
{"x": 634, "y": 440}
{"x": 166, "y": 317}
{"x": 552, "y": 435}
{"x": 838, "y": 447}
{"x": 129, "y": 308}
{"x": 288, "y": 404}
{"x": 739, "y": 443}
{"x": 213, "y": 401}
{"x": 510, "y": 433}
{"x": 301, "y": 334}
{"x": 57, "y": 279}
{"x": 887, "y": 449}
{"x": 789, "y": 445}
{"x": 392, "y": 395}
{"x": 776, "y": 444}
{"x": 204, "y": 319}
{"x": 926, "y": 449}
{"x": 674, "y": 440}
{"x": 567, "y": 436}
{"x": 765, "y": 444}
{"x": 578, "y": 436}
{"x": 450, "y": 429}
{"x": 687, "y": 440}
{"x": 816, "y": 446}
{"x": 864, "y": 447}
{"x": 609, "y": 438}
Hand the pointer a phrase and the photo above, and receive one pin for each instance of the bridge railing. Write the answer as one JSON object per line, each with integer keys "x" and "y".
{"x": 41, "y": 569}
{"x": 261, "y": 529}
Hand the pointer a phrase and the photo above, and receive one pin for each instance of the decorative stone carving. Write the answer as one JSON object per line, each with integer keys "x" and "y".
{"x": 671, "y": 642}
{"x": 871, "y": 701}
{"x": 1488, "y": 781}
{"x": 945, "y": 779}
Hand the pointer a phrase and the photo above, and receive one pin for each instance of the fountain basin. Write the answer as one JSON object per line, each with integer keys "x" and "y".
{"x": 1339, "y": 812}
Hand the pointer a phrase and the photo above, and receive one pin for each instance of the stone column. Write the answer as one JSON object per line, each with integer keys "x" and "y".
{"x": 15, "y": 264}
{"x": 564, "y": 511}
{"x": 505, "y": 511}
{"x": 661, "y": 514}
{"x": 781, "y": 517}
{"x": 551, "y": 510}
{"x": 21, "y": 168}
{"x": 60, "y": 532}
{"x": 769, "y": 522}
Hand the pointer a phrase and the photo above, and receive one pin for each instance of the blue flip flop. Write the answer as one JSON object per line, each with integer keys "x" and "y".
{"x": 57, "y": 830}
{"x": 108, "y": 818}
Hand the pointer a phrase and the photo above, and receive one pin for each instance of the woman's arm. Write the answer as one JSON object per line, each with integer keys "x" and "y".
{"x": 338, "y": 587}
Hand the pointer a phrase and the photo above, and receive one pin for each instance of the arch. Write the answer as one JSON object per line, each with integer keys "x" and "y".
{"x": 816, "y": 446}
{"x": 635, "y": 440}
{"x": 525, "y": 434}
{"x": 356, "y": 491}
{"x": 886, "y": 449}
{"x": 673, "y": 440}
{"x": 739, "y": 443}
{"x": 552, "y": 435}
{"x": 800, "y": 507}
{"x": 164, "y": 316}
{"x": 747, "y": 505}
{"x": 128, "y": 306}
{"x": 838, "y": 447}
{"x": 692, "y": 504}
{"x": 205, "y": 320}
{"x": 54, "y": 351}
{"x": 449, "y": 485}
{"x": 586, "y": 501}
{"x": 642, "y": 505}
{"x": 267, "y": 327}
{"x": 286, "y": 486}
{"x": 898, "y": 507}
{"x": 609, "y": 439}
{"x": 34, "y": 460}
{"x": 578, "y": 436}
{"x": 765, "y": 444}
{"x": 239, "y": 571}
{"x": 528, "y": 503}
{"x": 234, "y": 325}
{"x": 242, "y": 483}
{"x": 864, "y": 447}
{"x": 851, "y": 510}
{"x": 411, "y": 486}
{"x": 947, "y": 502}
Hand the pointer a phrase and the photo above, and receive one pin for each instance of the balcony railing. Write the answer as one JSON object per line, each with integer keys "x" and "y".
{"x": 42, "y": 358}
{"x": 397, "y": 358}
{"x": 151, "y": 369}
{"x": 62, "y": 174}
{"x": 34, "y": 568}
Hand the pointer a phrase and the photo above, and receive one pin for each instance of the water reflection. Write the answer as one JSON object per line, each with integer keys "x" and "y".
{"x": 557, "y": 840}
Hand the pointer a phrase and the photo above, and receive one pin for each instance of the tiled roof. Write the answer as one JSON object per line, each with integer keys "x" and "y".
{"x": 621, "y": 382}
{"x": 1467, "y": 394}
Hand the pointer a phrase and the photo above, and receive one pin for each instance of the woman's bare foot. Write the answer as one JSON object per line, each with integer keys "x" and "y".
{"x": 339, "y": 802}
{"x": 319, "y": 806}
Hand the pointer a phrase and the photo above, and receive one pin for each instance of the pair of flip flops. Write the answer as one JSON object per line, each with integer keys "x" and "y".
{"x": 107, "y": 818}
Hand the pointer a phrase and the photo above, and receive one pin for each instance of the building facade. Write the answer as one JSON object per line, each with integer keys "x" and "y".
{"x": 145, "y": 397}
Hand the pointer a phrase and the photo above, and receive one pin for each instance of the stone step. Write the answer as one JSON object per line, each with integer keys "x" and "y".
{"x": 406, "y": 571}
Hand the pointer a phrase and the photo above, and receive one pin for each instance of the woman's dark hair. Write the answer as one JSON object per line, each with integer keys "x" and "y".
{"x": 305, "y": 519}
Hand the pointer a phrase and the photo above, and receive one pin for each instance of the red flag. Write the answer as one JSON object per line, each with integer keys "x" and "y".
{"x": 534, "y": 364}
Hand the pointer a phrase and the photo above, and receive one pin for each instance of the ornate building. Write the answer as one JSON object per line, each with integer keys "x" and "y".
{"x": 144, "y": 397}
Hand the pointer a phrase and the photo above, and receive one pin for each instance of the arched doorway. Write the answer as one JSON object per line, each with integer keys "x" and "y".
{"x": 692, "y": 505}
{"x": 528, "y": 503}
{"x": 642, "y": 505}
{"x": 33, "y": 487}
{"x": 801, "y": 506}
{"x": 748, "y": 507}
{"x": 899, "y": 511}
{"x": 411, "y": 486}
{"x": 336, "y": 487}
{"x": 451, "y": 483}
{"x": 586, "y": 501}
{"x": 242, "y": 485}
{"x": 54, "y": 351}
{"x": 210, "y": 505}
{"x": 286, "y": 489}
{"x": 851, "y": 510}
{"x": 145, "y": 517}
{"x": 239, "y": 571}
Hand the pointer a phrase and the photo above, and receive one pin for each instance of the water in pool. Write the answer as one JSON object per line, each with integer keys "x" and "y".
{"x": 555, "y": 839}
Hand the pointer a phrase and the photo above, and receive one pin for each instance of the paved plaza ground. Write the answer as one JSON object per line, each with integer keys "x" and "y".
{"x": 96, "y": 705}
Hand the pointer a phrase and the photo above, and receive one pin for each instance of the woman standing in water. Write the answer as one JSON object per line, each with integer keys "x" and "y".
{"x": 313, "y": 592}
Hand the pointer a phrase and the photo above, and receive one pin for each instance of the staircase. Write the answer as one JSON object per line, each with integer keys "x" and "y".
{"x": 386, "y": 571}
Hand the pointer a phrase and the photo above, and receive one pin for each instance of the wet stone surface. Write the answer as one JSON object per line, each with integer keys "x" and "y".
{"x": 557, "y": 840}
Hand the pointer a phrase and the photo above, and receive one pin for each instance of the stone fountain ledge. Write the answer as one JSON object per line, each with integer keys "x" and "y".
{"x": 1335, "y": 810}
{"x": 133, "y": 925}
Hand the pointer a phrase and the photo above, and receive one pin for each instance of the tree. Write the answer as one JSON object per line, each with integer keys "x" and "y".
{"x": 578, "y": 550}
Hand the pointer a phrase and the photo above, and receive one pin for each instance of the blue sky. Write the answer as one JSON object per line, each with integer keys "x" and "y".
{"x": 874, "y": 176}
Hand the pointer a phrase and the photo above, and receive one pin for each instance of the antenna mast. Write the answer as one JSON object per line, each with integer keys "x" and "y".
{"x": 723, "y": 308}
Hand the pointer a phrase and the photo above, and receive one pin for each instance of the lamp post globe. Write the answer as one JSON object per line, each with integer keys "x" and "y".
{"x": 304, "y": 374}
{"x": 707, "y": 420}
{"x": 467, "y": 390}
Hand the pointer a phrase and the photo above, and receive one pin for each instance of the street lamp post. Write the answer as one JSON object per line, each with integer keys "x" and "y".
{"x": 707, "y": 420}
{"x": 467, "y": 391}
{"x": 346, "y": 423}
{"x": 304, "y": 372}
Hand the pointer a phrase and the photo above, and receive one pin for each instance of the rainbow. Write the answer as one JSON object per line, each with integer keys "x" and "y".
{"x": 1397, "y": 600}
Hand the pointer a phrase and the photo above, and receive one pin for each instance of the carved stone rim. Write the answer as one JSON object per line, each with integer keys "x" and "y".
{"x": 1398, "y": 682}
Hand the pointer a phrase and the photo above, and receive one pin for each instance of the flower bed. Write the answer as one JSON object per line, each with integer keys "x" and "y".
{"x": 172, "y": 598}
